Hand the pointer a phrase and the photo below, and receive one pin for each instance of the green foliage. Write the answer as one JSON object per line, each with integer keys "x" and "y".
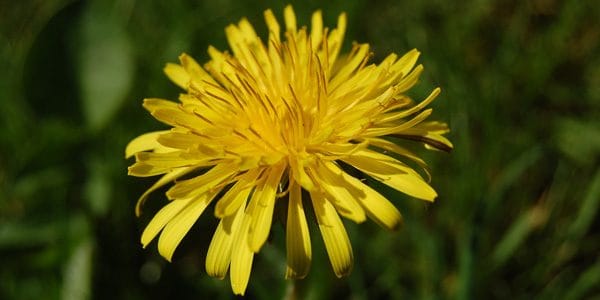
{"x": 517, "y": 215}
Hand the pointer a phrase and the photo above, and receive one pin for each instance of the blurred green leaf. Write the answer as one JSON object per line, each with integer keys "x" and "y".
{"x": 520, "y": 229}
{"x": 97, "y": 188}
{"x": 465, "y": 268}
{"x": 509, "y": 177}
{"x": 587, "y": 210}
{"x": 35, "y": 183}
{"x": 579, "y": 139}
{"x": 105, "y": 65}
{"x": 78, "y": 272}
{"x": 17, "y": 235}
{"x": 589, "y": 279}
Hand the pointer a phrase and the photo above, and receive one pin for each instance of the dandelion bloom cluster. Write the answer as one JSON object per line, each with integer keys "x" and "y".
{"x": 283, "y": 122}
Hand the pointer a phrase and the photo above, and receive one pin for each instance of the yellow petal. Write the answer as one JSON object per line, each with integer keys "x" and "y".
{"x": 162, "y": 217}
{"x": 429, "y": 133}
{"x": 316, "y": 29}
{"x": 290, "y": 19}
{"x": 153, "y": 104}
{"x": 194, "y": 70}
{"x": 237, "y": 195}
{"x": 343, "y": 200}
{"x": 392, "y": 173}
{"x": 236, "y": 42}
{"x": 393, "y": 147}
{"x": 241, "y": 257}
{"x": 140, "y": 169}
{"x": 179, "y": 225}
{"x": 378, "y": 208}
{"x": 151, "y": 164}
{"x": 219, "y": 252}
{"x": 405, "y": 113}
{"x": 177, "y": 74}
{"x": 410, "y": 80}
{"x": 431, "y": 140}
{"x": 406, "y": 63}
{"x": 273, "y": 26}
{"x": 262, "y": 215}
{"x": 298, "y": 248}
{"x": 172, "y": 114}
{"x": 335, "y": 40}
{"x": 297, "y": 167}
{"x": 174, "y": 159}
{"x": 334, "y": 235}
{"x": 397, "y": 129}
{"x": 358, "y": 55}
{"x": 144, "y": 142}
{"x": 389, "y": 146}
{"x": 203, "y": 183}
{"x": 342, "y": 149}
{"x": 248, "y": 162}
{"x": 248, "y": 31}
{"x": 434, "y": 126}
{"x": 180, "y": 140}
{"x": 177, "y": 117}
{"x": 167, "y": 178}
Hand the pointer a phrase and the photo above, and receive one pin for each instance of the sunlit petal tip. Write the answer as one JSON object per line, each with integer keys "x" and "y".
{"x": 230, "y": 29}
{"x": 244, "y": 23}
{"x": 218, "y": 257}
{"x": 431, "y": 196}
{"x": 239, "y": 288}
{"x": 183, "y": 57}
{"x": 272, "y": 24}
{"x": 219, "y": 213}
{"x": 179, "y": 226}
{"x": 298, "y": 246}
{"x": 414, "y": 51}
{"x": 289, "y": 17}
{"x": 153, "y": 104}
{"x": 396, "y": 226}
{"x": 232, "y": 200}
{"x": 144, "y": 142}
{"x": 241, "y": 259}
{"x": 342, "y": 20}
{"x": 162, "y": 219}
{"x": 334, "y": 236}
{"x": 177, "y": 74}
{"x": 317, "y": 18}
{"x": 418, "y": 69}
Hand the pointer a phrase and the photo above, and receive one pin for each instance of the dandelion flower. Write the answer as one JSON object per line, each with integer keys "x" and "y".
{"x": 284, "y": 121}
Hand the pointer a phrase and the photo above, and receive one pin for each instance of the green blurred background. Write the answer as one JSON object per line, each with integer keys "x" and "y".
{"x": 517, "y": 214}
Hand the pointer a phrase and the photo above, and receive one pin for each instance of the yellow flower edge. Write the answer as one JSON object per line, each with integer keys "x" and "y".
{"x": 291, "y": 120}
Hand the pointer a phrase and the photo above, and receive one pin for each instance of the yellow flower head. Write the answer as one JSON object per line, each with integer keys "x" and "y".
{"x": 276, "y": 122}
